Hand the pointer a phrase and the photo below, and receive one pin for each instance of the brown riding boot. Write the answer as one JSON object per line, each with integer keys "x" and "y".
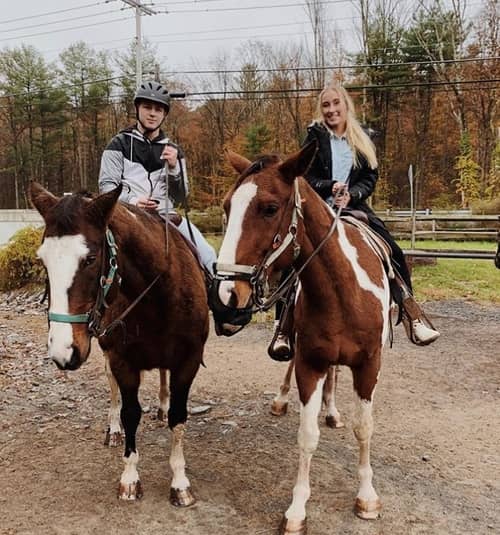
{"x": 418, "y": 332}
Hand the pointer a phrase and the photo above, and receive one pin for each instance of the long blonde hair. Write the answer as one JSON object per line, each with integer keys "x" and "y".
{"x": 357, "y": 138}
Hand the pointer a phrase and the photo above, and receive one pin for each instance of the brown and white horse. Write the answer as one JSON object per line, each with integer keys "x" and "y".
{"x": 275, "y": 220}
{"x": 111, "y": 276}
{"x": 497, "y": 256}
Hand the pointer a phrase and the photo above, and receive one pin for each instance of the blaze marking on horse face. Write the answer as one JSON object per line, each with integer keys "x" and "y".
{"x": 61, "y": 256}
{"x": 380, "y": 292}
{"x": 240, "y": 201}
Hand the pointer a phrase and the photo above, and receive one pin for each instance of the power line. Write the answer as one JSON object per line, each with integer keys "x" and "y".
{"x": 246, "y": 8}
{"x": 55, "y": 12}
{"x": 60, "y": 21}
{"x": 67, "y": 29}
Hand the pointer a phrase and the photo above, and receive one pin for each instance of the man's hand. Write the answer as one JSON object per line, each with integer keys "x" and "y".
{"x": 147, "y": 204}
{"x": 170, "y": 155}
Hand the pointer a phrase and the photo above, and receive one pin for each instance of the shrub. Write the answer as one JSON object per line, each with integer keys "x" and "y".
{"x": 18, "y": 262}
{"x": 209, "y": 221}
{"x": 485, "y": 207}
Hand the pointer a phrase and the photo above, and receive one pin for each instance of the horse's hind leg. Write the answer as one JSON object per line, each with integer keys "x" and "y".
{"x": 329, "y": 390}
{"x": 114, "y": 435}
{"x": 367, "y": 504}
{"x": 280, "y": 402}
{"x": 130, "y": 485}
{"x": 180, "y": 383}
{"x": 163, "y": 396}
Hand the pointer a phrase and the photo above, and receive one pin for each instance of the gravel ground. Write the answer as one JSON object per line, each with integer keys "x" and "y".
{"x": 435, "y": 450}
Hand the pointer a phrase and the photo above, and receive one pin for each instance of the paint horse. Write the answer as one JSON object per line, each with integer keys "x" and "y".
{"x": 275, "y": 220}
{"x": 111, "y": 276}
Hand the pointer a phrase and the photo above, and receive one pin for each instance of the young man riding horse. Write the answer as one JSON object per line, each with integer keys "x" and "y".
{"x": 151, "y": 167}
{"x": 344, "y": 173}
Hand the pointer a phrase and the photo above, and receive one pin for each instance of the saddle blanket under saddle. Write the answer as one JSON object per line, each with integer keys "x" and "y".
{"x": 376, "y": 242}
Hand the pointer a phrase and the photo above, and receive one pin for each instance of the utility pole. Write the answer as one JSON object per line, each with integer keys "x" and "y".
{"x": 139, "y": 10}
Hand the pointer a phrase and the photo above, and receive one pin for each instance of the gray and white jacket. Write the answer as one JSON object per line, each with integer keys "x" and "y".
{"x": 134, "y": 161}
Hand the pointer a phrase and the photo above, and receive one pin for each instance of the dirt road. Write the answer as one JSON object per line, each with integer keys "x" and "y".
{"x": 435, "y": 450}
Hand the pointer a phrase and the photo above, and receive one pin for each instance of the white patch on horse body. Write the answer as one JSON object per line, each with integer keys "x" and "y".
{"x": 308, "y": 437}
{"x": 240, "y": 202}
{"x": 363, "y": 429}
{"x": 61, "y": 256}
{"x": 130, "y": 475}
{"x": 380, "y": 292}
{"x": 115, "y": 405}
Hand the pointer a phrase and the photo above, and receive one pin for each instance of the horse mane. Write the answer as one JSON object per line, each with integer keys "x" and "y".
{"x": 66, "y": 214}
{"x": 262, "y": 161}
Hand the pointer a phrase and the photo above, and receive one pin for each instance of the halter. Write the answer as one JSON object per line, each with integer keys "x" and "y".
{"x": 94, "y": 315}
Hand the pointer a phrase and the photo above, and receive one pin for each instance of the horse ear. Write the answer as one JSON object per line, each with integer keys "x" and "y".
{"x": 41, "y": 198}
{"x": 297, "y": 164}
{"x": 100, "y": 209}
{"x": 238, "y": 162}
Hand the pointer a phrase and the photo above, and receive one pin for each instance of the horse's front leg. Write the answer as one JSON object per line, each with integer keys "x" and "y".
{"x": 368, "y": 504}
{"x": 130, "y": 485}
{"x": 180, "y": 488}
{"x": 329, "y": 390}
{"x": 310, "y": 385}
{"x": 163, "y": 396}
{"x": 280, "y": 402}
{"x": 114, "y": 435}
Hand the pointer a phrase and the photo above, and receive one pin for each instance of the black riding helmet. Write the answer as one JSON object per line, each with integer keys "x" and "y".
{"x": 153, "y": 91}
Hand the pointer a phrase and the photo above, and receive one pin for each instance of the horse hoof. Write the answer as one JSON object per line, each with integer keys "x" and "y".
{"x": 278, "y": 408}
{"x": 334, "y": 423}
{"x": 130, "y": 491}
{"x": 113, "y": 439}
{"x": 367, "y": 510}
{"x": 182, "y": 497}
{"x": 293, "y": 527}
{"x": 161, "y": 416}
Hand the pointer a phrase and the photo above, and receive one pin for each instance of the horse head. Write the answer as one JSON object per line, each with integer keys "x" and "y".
{"x": 73, "y": 253}
{"x": 260, "y": 234}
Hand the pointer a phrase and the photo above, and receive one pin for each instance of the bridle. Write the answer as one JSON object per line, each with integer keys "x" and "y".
{"x": 256, "y": 275}
{"x": 94, "y": 316}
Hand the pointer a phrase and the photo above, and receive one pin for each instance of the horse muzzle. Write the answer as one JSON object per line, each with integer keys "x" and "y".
{"x": 228, "y": 319}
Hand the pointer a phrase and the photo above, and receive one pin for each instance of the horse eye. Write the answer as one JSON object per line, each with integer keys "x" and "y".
{"x": 269, "y": 210}
{"x": 89, "y": 260}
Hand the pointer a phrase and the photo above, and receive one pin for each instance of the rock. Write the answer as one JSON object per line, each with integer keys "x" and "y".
{"x": 426, "y": 457}
{"x": 200, "y": 409}
{"x": 230, "y": 423}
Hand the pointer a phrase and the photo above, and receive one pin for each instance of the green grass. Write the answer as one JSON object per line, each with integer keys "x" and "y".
{"x": 450, "y": 278}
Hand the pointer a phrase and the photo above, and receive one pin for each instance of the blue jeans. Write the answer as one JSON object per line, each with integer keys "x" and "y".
{"x": 207, "y": 253}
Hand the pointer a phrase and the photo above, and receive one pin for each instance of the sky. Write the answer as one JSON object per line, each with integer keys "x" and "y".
{"x": 186, "y": 32}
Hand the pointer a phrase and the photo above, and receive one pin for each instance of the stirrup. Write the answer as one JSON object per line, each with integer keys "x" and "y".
{"x": 280, "y": 348}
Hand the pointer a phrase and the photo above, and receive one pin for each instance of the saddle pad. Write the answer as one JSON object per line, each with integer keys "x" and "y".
{"x": 377, "y": 243}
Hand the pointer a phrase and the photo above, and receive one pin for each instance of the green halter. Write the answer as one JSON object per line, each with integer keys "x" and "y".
{"x": 105, "y": 283}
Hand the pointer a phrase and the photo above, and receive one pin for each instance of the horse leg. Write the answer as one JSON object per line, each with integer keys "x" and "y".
{"x": 180, "y": 488}
{"x": 163, "y": 396}
{"x": 130, "y": 485}
{"x": 310, "y": 386}
{"x": 367, "y": 504}
{"x": 280, "y": 402}
{"x": 329, "y": 389}
{"x": 114, "y": 435}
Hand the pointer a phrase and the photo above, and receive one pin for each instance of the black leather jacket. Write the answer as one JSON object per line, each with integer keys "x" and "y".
{"x": 362, "y": 179}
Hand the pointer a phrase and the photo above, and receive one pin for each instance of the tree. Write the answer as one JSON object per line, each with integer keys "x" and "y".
{"x": 467, "y": 183}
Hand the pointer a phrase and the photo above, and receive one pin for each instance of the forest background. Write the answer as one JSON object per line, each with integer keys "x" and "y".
{"x": 425, "y": 81}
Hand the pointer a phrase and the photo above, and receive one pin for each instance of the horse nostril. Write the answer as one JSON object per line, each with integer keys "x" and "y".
{"x": 233, "y": 299}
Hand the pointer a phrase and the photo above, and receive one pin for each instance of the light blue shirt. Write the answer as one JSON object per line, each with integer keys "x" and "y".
{"x": 341, "y": 158}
